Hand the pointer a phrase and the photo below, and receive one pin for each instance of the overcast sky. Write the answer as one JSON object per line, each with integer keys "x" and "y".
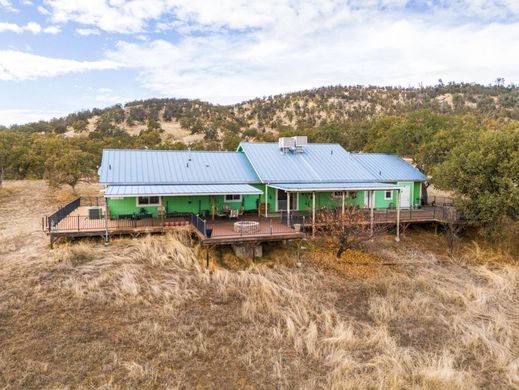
{"x": 59, "y": 56}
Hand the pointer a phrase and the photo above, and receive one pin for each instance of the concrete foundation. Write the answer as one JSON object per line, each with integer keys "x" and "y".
{"x": 245, "y": 251}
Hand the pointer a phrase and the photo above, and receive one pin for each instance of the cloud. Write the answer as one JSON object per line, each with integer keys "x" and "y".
{"x": 8, "y": 5}
{"x": 20, "y": 116}
{"x": 87, "y": 31}
{"x": 43, "y": 10}
{"x": 342, "y": 48}
{"x": 135, "y": 16}
{"x": 52, "y": 30}
{"x": 18, "y": 66}
{"x": 32, "y": 27}
{"x": 111, "y": 16}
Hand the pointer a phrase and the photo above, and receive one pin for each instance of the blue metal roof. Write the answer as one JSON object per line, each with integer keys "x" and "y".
{"x": 317, "y": 163}
{"x": 387, "y": 167}
{"x": 182, "y": 190}
{"x": 134, "y": 167}
{"x": 325, "y": 187}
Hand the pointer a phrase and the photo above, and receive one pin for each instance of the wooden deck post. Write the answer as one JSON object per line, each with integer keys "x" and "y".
{"x": 398, "y": 215}
{"x": 212, "y": 207}
{"x": 313, "y": 214}
{"x": 343, "y": 204}
{"x": 266, "y": 201}
{"x": 372, "y": 213}
{"x": 288, "y": 208}
{"x": 106, "y": 221}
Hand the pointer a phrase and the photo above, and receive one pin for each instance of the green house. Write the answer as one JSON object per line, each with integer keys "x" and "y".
{"x": 265, "y": 178}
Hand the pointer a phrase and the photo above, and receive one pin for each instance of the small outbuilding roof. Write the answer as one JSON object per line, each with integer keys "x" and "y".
{"x": 181, "y": 190}
{"x": 141, "y": 167}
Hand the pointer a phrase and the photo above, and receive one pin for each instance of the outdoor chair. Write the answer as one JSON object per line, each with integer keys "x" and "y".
{"x": 233, "y": 214}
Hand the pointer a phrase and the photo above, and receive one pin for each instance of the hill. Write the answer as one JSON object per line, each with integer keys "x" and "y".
{"x": 192, "y": 121}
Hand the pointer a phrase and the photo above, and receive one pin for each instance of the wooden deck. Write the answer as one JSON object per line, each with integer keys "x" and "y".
{"x": 76, "y": 223}
{"x": 269, "y": 229}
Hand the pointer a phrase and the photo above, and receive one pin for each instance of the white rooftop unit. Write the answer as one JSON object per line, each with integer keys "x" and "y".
{"x": 286, "y": 144}
{"x": 292, "y": 144}
{"x": 300, "y": 141}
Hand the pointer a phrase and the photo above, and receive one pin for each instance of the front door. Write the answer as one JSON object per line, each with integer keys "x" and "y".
{"x": 282, "y": 200}
{"x": 405, "y": 197}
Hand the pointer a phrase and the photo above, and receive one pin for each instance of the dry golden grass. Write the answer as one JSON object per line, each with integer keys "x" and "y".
{"x": 145, "y": 313}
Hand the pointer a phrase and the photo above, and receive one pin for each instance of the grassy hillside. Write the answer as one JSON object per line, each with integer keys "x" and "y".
{"x": 193, "y": 120}
{"x": 144, "y": 313}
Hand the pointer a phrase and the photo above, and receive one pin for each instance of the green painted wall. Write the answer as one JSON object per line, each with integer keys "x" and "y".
{"x": 128, "y": 206}
{"x": 271, "y": 194}
{"x": 196, "y": 204}
{"x": 417, "y": 193}
{"x": 181, "y": 204}
{"x": 326, "y": 199}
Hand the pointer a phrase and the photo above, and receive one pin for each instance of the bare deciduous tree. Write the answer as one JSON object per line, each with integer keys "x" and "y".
{"x": 343, "y": 231}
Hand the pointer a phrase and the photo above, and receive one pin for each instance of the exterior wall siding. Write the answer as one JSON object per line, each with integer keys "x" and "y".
{"x": 122, "y": 206}
{"x": 197, "y": 204}
{"x": 417, "y": 193}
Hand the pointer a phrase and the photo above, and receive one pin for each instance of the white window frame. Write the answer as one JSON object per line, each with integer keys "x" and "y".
{"x": 148, "y": 205}
{"x": 337, "y": 194}
{"x": 385, "y": 195}
{"x": 240, "y": 197}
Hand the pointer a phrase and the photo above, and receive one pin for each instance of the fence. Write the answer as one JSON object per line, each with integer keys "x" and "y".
{"x": 52, "y": 221}
{"x": 92, "y": 201}
{"x": 199, "y": 224}
{"x": 424, "y": 214}
{"x": 439, "y": 201}
{"x": 252, "y": 227}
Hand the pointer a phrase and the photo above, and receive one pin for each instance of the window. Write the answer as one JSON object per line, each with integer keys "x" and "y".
{"x": 148, "y": 201}
{"x": 388, "y": 195}
{"x": 233, "y": 198}
{"x": 337, "y": 194}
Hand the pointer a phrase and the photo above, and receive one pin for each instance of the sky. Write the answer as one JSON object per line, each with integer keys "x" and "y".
{"x": 61, "y": 56}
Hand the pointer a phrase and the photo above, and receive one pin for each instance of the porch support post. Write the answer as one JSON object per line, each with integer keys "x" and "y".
{"x": 212, "y": 207}
{"x": 162, "y": 211}
{"x": 266, "y": 201}
{"x": 398, "y": 215}
{"x": 288, "y": 208}
{"x": 106, "y": 221}
{"x": 313, "y": 214}
{"x": 259, "y": 207}
{"x": 371, "y": 217}
{"x": 343, "y": 204}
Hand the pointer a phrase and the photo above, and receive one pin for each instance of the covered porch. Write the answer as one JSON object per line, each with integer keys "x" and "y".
{"x": 341, "y": 189}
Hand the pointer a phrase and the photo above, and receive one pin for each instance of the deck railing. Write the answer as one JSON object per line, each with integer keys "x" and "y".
{"x": 199, "y": 224}
{"x": 92, "y": 201}
{"x": 64, "y": 220}
{"x": 51, "y": 222}
{"x": 423, "y": 214}
{"x": 257, "y": 227}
